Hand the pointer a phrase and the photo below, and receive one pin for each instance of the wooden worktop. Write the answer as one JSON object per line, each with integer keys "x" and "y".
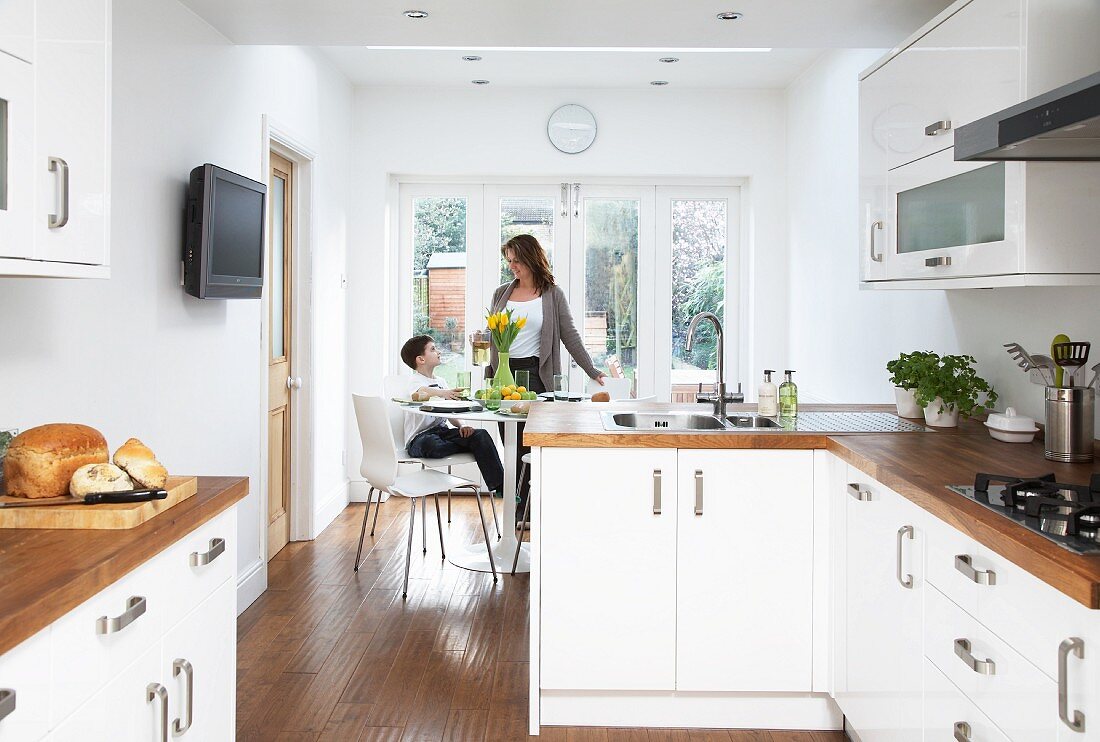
{"x": 919, "y": 466}
{"x": 47, "y": 573}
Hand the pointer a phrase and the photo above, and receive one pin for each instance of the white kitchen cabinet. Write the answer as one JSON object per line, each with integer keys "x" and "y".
{"x": 883, "y": 565}
{"x": 17, "y": 146}
{"x": 122, "y": 711}
{"x": 17, "y": 29}
{"x": 744, "y": 597}
{"x": 948, "y": 714}
{"x": 26, "y": 716}
{"x": 608, "y": 586}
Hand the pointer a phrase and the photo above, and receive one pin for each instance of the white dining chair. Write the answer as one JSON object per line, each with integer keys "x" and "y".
{"x": 381, "y": 468}
{"x": 617, "y": 388}
{"x": 524, "y": 522}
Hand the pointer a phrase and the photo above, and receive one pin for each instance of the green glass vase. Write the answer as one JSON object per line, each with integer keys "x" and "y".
{"x": 503, "y": 376}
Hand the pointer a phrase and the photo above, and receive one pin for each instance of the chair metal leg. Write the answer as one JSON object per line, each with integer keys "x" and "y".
{"x": 376, "y": 509}
{"x": 424, "y": 525}
{"x": 485, "y": 530}
{"x": 448, "y": 500}
{"x": 439, "y": 522}
{"x": 493, "y": 505}
{"x": 519, "y": 544}
{"x": 409, "y": 549}
{"x": 519, "y": 488}
{"x": 362, "y": 532}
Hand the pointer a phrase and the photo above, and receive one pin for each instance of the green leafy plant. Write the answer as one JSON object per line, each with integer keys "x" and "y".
{"x": 907, "y": 370}
{"x": 955, "y": 382}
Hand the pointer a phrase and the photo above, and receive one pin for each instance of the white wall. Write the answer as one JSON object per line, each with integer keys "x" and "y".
{"x": 842, "y": 337}
{"x": 502, "y": 132}
{"x": 134, "y": 355}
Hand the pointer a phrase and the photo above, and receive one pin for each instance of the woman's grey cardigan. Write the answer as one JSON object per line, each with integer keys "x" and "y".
{"x": 557, "y": 329}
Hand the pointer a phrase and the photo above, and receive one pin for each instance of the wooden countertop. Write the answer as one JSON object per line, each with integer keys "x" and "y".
{"x": 918, "y": 466}
{"x": 47, "y": 573}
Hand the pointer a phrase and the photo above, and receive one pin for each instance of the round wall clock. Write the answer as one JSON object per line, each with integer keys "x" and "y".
{"x": 571, "y": 128}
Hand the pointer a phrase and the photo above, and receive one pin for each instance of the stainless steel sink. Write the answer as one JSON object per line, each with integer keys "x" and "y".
{"x": 658, "y": 422}
{"x": 740, "y": 422}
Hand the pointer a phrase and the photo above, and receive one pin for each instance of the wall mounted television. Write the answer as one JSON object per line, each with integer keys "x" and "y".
{"x": 223, "y": 252}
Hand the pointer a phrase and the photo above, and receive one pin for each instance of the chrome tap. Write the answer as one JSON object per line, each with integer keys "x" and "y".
{"x": 719, "y": 398}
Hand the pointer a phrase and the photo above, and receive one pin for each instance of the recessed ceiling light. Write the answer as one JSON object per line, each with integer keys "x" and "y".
{"x": 480, "y": 82}
{"x": 415, "y": 14}
{"x": 729, "y": 15}
{"x": 658, "y": 82}
{"x": 669, "y": 60}
{"x": 471, "y": 58}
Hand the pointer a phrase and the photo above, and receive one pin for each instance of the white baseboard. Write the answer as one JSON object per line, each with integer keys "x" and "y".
{"x": 330, "y": 506}
{"x": 358, "y": 489}
{"x": 692, "y": 710}
{"x": 251, "y": 584}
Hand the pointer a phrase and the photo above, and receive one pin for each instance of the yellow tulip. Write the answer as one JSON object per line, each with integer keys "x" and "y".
{"x": 492, "y": 320}
{"x": 521, "y": 322}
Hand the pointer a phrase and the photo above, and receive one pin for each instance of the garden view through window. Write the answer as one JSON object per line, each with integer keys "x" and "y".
{"x": 439, "y": 278}
{"x": 698, "y": 285}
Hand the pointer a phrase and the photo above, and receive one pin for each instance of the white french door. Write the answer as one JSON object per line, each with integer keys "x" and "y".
{"x": 633, "y": 260}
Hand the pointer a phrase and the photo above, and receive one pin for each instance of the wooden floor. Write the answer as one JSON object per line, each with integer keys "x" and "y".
{"x": 330, "y": 654}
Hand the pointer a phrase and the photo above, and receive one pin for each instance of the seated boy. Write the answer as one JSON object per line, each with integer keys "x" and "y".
{"x": 432, "y": 437}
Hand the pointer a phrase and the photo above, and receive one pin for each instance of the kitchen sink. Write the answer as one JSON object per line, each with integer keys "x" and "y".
{"x": 752, "y": 421}
{"x": 661, "y": 421}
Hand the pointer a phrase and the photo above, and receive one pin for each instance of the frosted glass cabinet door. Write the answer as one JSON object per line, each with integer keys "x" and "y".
{"x": 16, "y": 150}
{"x": 608, "y": 569}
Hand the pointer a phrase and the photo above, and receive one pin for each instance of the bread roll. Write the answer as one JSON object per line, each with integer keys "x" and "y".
{"x": 601, "y": 397}
{"x": 139, "y": 462}
{"x": 40, "y": 461}
{"x": 93, "y": 478}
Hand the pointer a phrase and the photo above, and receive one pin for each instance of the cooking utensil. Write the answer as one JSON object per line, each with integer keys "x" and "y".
{"x": 1059, "y": 375}
{"x": 1044, "y": 369}
{"x": 1095, "y": 376}
{"x": 1071, "y": 355}
{"x": 1023, "y": 358}
{"x": 95, "y": 499}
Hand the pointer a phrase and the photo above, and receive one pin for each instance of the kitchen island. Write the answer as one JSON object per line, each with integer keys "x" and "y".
{"x": 773, "y": 579}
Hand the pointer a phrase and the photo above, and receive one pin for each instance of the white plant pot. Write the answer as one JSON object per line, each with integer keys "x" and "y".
{"x": 949, "y": 418}
{"x": 907, "y": 403}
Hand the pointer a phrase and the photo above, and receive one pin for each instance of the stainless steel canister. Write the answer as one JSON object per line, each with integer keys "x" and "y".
{"x": 1069, "y": 432}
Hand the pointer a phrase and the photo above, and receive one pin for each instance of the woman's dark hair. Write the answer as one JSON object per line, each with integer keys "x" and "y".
{"x": 528, "y": 251}
{"x": 413, "y": 348}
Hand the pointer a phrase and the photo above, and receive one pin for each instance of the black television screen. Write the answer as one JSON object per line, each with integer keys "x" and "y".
{"x": 224, "y": 251}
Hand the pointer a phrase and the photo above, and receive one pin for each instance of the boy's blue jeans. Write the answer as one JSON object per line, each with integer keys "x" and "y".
{"x": 441, "y": 441}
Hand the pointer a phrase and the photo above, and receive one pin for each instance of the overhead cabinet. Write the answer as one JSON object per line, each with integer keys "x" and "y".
{"x": 926, "y": 218}
{"x": 57, "y": 183}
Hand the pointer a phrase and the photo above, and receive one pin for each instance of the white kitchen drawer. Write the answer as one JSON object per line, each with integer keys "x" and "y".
{"x": 85, "y": 660}
{"x": 1016, "y": 695}
{"x": 945, "y": 546}
{"x": 26, "y": 671}
{"x": 948, "y": 714}
{"x": 190, "y": 584}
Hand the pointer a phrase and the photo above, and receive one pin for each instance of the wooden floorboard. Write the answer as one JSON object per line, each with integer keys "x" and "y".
{"x": 328, "y": 654}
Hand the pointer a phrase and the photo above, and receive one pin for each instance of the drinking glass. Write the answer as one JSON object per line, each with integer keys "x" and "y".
{"x": 479, "y": 343}
{"x": 492, "y": 395}
{"x": 561, "y": 386}
{"x": 462, "y": 383}
{"x": 523, "y": 379}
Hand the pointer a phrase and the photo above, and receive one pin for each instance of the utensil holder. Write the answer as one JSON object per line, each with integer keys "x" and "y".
{"x": 1070, "y": 418}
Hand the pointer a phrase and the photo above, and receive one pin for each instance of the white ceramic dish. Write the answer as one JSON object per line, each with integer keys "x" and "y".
{"x": 1012, "y": 436}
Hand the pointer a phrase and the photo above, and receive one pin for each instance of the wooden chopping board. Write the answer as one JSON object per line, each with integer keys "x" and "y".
{"x": 107, "y": 516}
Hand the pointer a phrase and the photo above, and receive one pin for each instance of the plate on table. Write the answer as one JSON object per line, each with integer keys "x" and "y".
{"x": 450, "y": 405}
{"x": 572, "y": 397}
{"x": 405, "y": 401}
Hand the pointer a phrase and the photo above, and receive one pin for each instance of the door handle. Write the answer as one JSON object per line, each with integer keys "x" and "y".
{"x": 61, "y": 218}
{"x": 859, "y": 493}
{"x": 294, "y": 382}
{"x": 937, "y": 128}
{"x": 907, "y": 580}
{"x": 217, "y": 548}
{"x": 1077, "y": 648}
{"x": 982, "y": 667}
{"x": 576, "y": 199}
{"x": 135, "y": 607}
{"x": 156, "y": 692}
{"x": 183, "y": 666}
{"x": 962, "y": 731}
{"x": 937, "y": 262}
{"x": 875, "y": 258}
{"x": 564, "y": 200}
{"x": 698, "y": 491}
{"x": 7, "y": 702}
{"x": 980, "y": 576}
{"x": 656, "y": 491}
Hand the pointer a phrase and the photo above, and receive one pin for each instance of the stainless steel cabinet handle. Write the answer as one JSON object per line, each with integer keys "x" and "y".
{"x": 135, "y": 607}
{"x": 982, "y": 667}
{"x": 156, "y": 692}
{"x": 937, "y": 262}
{"x": 576, "y": 199}
{"x": 217, "y": 548}
{"x": 698, "y": 491}
{"x": 937, "y": 128}
{"x": 907, "y": 580}
{"x": 61, "y": 218}
{"x": 7, "y": 702}
{"x": 564, "y": 200}
{"x": 178, "y": 727}
{"x": 1077, "y": 648}
{"x": 980, "y": 576}
{"x": 656, "y": 491}
{"x": 875, "y": 257}
{"x": 858, "y": 492}
{"x": 962, "y": 731}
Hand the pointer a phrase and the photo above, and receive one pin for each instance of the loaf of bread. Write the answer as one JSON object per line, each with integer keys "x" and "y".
{"x": 94, "y": 478}
{"x": 40, "y": 461}
{"x": 135, "y": 458}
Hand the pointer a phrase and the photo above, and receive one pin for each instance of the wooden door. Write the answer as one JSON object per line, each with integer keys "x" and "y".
{"x": 280, "y": 365}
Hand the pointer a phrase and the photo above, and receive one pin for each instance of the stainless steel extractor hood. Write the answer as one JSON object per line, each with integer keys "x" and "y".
{"x": 1063, "y": 124}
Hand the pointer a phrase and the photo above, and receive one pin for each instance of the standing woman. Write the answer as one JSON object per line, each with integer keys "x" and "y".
{"x": 534, "y": 295}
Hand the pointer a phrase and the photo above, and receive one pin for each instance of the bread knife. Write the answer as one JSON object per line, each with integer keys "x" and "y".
{"x": 94, "y": 499}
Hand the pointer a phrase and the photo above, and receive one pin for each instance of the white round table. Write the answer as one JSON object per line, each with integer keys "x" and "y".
{"x": 474, "y": 556}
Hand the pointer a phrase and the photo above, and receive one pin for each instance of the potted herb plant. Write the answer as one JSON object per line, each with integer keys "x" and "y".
{"x": 906, "y": 372}
{"x": 952, "y": 388}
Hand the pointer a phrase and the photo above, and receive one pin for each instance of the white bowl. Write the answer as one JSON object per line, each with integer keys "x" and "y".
{"x": 1012, "y": 436}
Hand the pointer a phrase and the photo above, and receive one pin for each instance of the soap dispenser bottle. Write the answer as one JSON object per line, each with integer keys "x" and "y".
{"x": 767, "y": 398}
{"x": 788, "y": 396}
